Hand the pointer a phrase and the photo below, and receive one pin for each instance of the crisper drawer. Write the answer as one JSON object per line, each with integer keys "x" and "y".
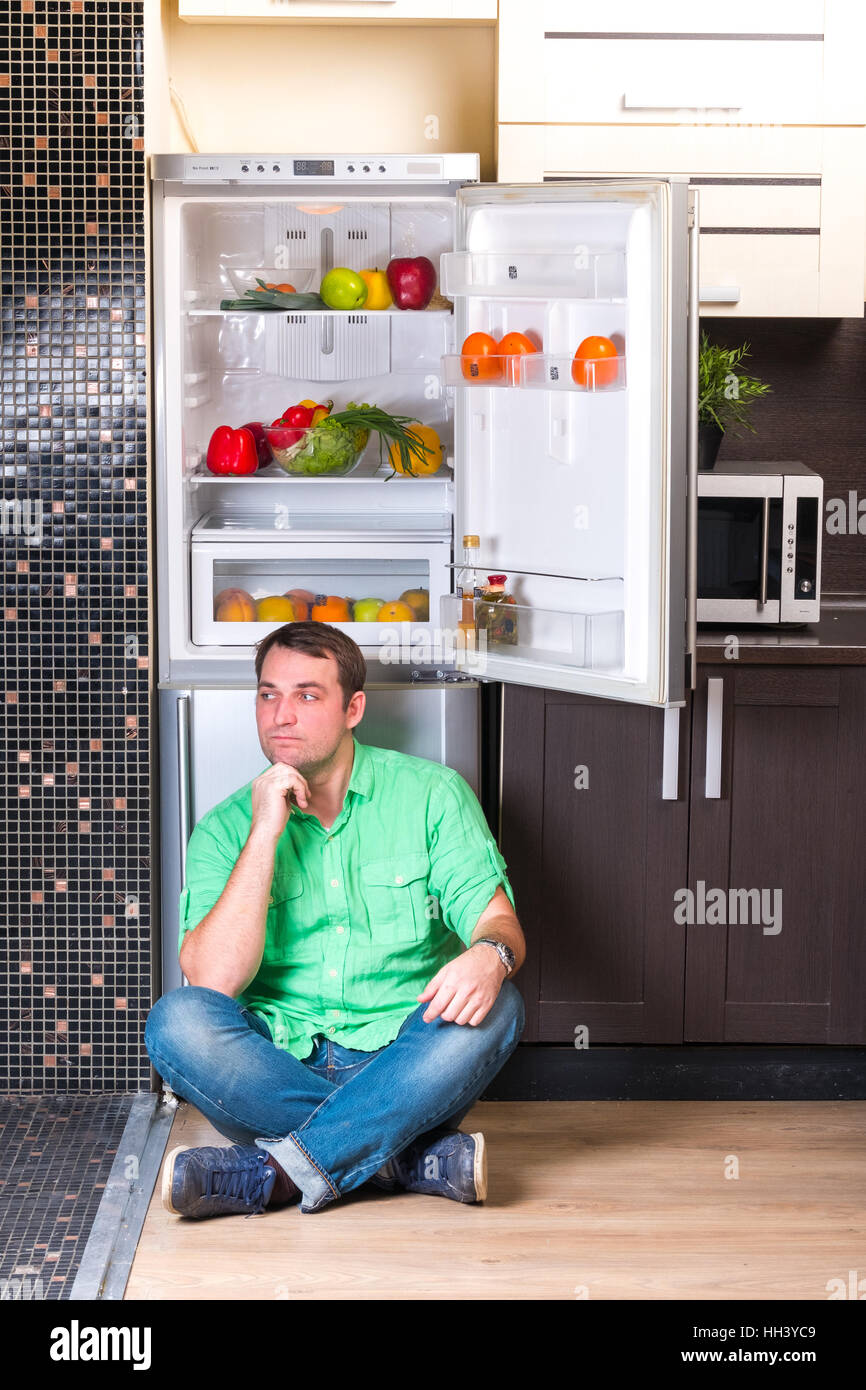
{"x": 379, "y": 592}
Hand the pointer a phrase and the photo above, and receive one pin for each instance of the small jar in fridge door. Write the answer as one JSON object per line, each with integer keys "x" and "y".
{"x": 496, "y": 612}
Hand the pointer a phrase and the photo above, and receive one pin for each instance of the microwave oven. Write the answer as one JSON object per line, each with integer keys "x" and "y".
{"x": 759, "y": 543}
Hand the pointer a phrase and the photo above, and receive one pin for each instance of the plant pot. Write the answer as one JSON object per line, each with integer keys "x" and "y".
{"x": 709, "y": 442}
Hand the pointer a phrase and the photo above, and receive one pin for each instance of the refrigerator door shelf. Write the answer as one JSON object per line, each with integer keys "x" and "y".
{"x": 538, "y": 371}
{"x": 583, "y": 272}
{"x": 238, "y": 576}
{"x": 516, "y": 636}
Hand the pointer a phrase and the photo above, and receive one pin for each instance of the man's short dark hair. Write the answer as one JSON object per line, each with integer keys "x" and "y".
{"x": 319, "y": 639}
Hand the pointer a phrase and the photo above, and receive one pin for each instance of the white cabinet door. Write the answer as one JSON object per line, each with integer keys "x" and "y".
{"x": 347, "y": 11}
{"x": 742, "y": 63}
{"x": 782, "y": 211}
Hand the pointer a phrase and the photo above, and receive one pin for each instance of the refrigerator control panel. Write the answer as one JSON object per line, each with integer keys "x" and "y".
{"x": 285, "y": 169}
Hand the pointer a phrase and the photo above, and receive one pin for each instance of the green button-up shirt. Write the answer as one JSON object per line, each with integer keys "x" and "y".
{"x": 361, "y": 916}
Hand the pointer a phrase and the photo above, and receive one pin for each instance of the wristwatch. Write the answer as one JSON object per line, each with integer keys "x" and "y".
{"x": 505, "y": 953}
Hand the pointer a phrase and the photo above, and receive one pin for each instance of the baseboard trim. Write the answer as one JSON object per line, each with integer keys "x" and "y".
{"x": 544, "y": 1071}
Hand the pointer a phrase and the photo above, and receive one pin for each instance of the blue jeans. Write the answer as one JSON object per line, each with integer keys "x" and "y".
{"x": 332, "y": 1120}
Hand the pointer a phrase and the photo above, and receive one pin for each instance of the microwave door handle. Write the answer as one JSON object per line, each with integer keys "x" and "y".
{"x": 765, "y": 548}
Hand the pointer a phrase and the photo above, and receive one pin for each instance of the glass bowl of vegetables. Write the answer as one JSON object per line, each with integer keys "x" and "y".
{"x": 335, "y": 446}
{"x": 329, "y": 449}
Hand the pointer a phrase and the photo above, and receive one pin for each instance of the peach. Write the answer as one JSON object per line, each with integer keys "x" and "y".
{"x": 234, "y": 606}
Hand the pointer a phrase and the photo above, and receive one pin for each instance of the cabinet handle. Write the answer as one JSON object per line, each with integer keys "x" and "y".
{"x": 644, "y": 99}
{"x": 715, "y": 698}
{"x": 765, "y": 547}
{"x": 720, "y": 294}
{"x": 671, "y": 755}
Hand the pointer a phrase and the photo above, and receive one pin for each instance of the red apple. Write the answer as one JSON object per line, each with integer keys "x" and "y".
{"x": 263, "y": 449}
{"x": 412, "y": 280}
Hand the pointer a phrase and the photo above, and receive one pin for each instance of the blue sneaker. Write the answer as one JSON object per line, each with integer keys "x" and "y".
{"x": 454, "y": 1165}
{"x": 214, "y": 1181}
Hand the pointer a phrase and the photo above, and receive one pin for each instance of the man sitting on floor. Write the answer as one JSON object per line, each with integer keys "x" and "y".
{"x": 323, "y": 901}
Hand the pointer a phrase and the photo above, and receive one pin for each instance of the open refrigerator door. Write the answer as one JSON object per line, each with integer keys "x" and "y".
{"x": 572, "y": 386}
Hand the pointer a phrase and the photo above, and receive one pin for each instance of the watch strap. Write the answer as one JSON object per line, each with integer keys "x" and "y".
{"x": 505, "y": 954}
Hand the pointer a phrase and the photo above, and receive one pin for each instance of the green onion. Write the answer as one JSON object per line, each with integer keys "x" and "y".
{"x": 264, "y": 298}
{"x": 387, "y": 426}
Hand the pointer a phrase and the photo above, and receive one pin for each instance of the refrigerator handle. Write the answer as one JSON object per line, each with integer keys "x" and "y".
{"x": 183, "y": 800}
{"x": 692, "y": 442}
{"x": 182, "y": 710}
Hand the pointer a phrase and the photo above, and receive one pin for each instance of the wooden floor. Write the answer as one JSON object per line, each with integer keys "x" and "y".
{"x": 599, "y": 1200}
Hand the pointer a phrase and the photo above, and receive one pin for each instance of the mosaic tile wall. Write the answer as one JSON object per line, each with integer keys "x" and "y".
{"x": 75, "y": 895}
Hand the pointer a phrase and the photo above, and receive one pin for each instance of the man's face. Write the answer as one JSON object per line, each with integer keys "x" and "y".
{"x": 299, "y": 708}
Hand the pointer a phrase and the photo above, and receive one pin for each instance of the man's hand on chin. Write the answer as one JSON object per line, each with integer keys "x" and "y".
{"x": 465, "y": 989}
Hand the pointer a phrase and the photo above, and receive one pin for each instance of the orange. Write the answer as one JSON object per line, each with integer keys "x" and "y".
{"x": 419, "y": 468}
{"x": 480, "y": 360}
{"x": 275, "y": 607}
{"x": 234, "y": 606}
{"x": 602, "y": 353}
{"x": 396, "y": 612}
{"x": 514, "y": 346}
{"x": 286, "y": 287}
{"x": 330, "y": 608}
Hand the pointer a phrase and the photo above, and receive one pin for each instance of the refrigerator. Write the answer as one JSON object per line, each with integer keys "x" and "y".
{"x": 578, "y": 477}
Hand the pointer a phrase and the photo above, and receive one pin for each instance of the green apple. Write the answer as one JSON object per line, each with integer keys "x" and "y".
{"x": 343, "y": 289}
{"x": 366, "y": 609}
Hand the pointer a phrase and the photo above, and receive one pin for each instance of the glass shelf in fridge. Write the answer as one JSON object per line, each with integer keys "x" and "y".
{"x": 285, "y": 524}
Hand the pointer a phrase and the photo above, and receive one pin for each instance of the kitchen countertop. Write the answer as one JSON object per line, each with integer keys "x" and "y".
{"x": 839, "y": 639}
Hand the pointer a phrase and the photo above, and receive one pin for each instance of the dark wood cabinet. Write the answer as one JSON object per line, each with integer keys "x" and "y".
{"x": 594, "y": 867}
{"x": 789, "y": 820}
{"x": 600, "y": 871}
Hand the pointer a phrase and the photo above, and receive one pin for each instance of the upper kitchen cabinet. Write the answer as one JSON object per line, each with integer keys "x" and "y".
{"x": 766, "y": 122}
{"x": 344, "y": 11}
{"x": 746, "y": 62}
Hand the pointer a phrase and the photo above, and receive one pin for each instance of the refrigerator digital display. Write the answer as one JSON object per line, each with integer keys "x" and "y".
{"x": 313, "y": 166}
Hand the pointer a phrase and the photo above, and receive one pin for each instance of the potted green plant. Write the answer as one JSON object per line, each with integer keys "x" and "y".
{"x": 725, "y": 396}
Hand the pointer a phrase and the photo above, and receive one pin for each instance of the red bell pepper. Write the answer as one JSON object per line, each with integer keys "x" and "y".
{"x": 296, "y": 419}
{"x": 232, "y": 453}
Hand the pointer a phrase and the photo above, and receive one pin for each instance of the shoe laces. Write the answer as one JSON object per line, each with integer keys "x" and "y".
{"x": 243, "y": 1178}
